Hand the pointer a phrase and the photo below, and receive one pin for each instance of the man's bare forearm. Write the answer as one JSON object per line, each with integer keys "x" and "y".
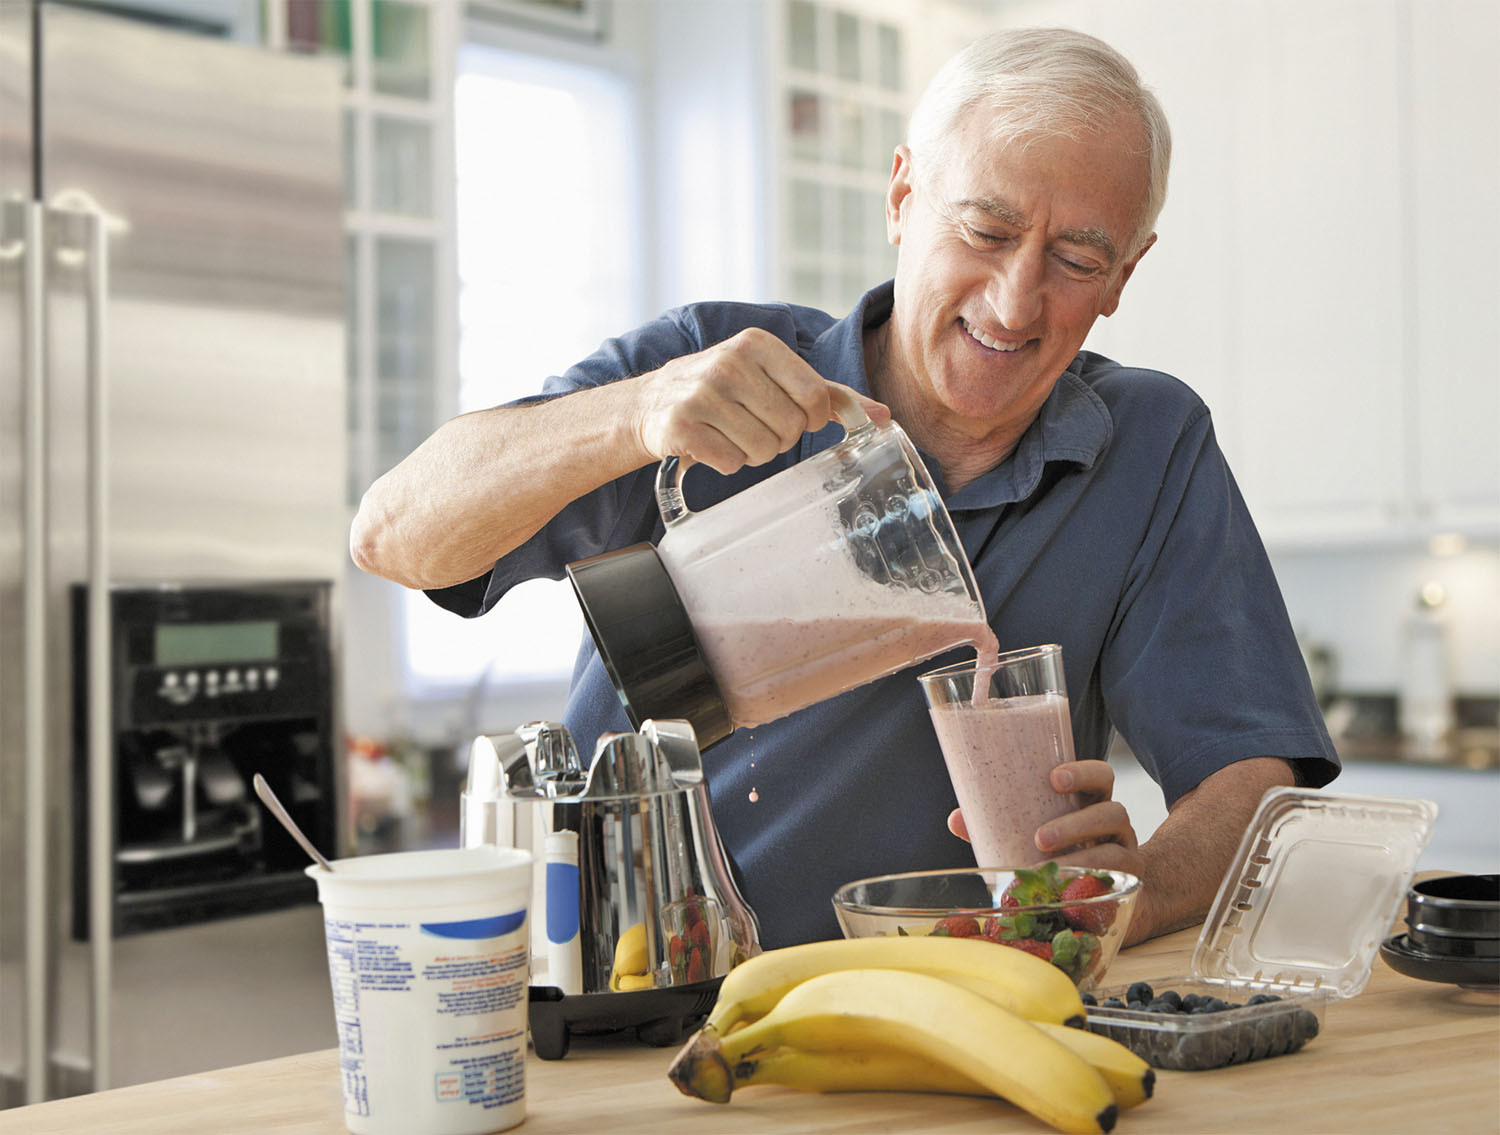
{"x": 485, "y": 482}
{"x": 1188, "y": 854}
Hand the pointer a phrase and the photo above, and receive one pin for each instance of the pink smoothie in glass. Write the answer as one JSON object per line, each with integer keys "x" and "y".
{"x": 999, "y": 754}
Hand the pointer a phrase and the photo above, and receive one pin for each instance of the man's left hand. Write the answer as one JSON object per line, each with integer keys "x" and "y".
{"x": 1097, "y": 834}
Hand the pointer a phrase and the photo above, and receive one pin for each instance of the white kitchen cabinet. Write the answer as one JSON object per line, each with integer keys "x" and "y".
{"x": 1454, "y": 246}
{"x": 1324, "y": 275}
{"x": 1370, "y": 158}
{"x": 1315, "y": 191}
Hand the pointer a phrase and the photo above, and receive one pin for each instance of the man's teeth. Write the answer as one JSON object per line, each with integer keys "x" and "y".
{"x": 992, "y": 344}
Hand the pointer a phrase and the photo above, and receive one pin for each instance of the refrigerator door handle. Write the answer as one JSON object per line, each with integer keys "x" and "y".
{"x": 34, "y": 574}
{"x": 86, "y": 249}
{"x": 101, "y": 762}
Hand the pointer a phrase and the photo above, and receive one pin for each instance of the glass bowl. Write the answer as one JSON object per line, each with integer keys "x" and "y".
{"x": 1016, "y": 908}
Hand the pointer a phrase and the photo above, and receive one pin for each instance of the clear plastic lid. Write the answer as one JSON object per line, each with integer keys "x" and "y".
{"x": 1314, "y": 888}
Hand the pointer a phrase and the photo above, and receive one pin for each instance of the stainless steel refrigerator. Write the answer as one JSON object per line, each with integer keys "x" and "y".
{"x": 171, "y": 416}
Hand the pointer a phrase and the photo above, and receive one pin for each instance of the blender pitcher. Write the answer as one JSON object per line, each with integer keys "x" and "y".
{"x": 831, "y": 573}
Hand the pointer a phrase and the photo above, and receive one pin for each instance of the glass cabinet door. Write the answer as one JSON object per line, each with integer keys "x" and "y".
{"x": 842, "y": 97}
{"x": 402, "y": 166}
{"x": 397, "y": 58}
{"x": 405, "y": 346}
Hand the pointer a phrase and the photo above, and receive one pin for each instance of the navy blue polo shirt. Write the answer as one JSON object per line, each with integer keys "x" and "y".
{"x": 1114, "y": 528}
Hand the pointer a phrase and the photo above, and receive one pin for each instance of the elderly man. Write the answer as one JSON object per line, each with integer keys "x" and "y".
{"x": 1091, "y": 498}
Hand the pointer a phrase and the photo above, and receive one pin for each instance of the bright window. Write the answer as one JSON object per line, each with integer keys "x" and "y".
{"x": 549, "y": 265}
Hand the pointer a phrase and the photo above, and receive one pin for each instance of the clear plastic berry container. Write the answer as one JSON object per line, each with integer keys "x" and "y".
{"x": 1314, "y": 887}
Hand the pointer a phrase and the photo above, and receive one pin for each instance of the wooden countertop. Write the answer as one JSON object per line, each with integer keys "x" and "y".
{"x": 1403, "y": 1056}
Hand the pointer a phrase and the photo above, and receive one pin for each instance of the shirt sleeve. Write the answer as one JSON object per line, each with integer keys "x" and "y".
{"x": 616, "y": 514}
{"x": 1201, "y": 667}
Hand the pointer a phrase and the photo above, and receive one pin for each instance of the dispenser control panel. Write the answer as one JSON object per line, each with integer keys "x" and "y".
{"x": 188, "y": 653}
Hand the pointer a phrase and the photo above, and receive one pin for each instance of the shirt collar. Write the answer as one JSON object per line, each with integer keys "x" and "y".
{"x": 1074, "y": 424}
{"x": 839, "y": 352}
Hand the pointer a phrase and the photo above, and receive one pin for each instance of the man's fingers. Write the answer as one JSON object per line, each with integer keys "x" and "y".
{"x": 1093, "y": 781}
{"x": 956, "y": 824}
{"x": 1104, "y": 822}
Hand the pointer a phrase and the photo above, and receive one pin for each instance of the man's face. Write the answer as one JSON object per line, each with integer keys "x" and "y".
{"x": 1008, "y": 255}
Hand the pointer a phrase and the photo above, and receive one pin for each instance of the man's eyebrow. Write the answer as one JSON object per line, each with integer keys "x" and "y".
{"x": 1003, "y": 210}
{"x": 1092, "y": 238}
{"x": 997, "y": 207}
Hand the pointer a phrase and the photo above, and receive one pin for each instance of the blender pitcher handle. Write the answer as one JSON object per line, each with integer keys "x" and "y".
{"x": 674, "y": 510}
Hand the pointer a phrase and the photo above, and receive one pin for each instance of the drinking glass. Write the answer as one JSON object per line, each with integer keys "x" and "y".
{"x": 1001, "y": 744}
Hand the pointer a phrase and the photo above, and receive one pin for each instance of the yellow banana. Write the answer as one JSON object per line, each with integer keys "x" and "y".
{"x": 631, "y": 959}
{"x": 862, "y": 1009}
{"x": 1009, "y": 977}
{"x": 1130, "y": 1078}
{"x": 852, "y": 1070}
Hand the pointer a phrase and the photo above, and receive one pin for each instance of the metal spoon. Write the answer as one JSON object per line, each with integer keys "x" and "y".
{"x": 268, "y": 798}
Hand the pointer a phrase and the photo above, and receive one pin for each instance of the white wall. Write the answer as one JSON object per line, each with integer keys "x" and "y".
{"x": 1356, "y": 601}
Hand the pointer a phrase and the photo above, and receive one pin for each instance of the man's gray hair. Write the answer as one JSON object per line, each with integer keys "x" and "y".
{"x": 1037, "y": 83}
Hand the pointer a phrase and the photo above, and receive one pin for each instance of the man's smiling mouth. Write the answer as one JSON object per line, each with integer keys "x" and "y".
{"x": 984, "y": 340}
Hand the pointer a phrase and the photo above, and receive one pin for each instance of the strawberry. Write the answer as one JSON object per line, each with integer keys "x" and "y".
{"x": 993, "y": 928}
{"x": 957, "y": 926}
{"x": 1033, "y": 885}
{"x": 675, "y": 949}
{"x": 1041, "y": 950}
{"x": 1095, "y": 918}
{"x": 696, "y": 971}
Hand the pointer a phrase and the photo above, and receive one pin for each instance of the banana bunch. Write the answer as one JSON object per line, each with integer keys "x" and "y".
{"x": 632, "y": 963}
{"x": 919, "y": 1014}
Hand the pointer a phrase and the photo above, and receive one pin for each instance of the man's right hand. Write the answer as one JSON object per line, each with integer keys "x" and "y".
{"x": 740, "y": 402}
{"x": 485, "y": 482}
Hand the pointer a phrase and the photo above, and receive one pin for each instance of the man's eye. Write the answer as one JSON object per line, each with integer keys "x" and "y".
{"x": 1077, "y": 267}
{"x": 979, "y": 236}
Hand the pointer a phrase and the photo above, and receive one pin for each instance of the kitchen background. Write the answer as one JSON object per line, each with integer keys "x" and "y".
{"x": 522, "y": 178}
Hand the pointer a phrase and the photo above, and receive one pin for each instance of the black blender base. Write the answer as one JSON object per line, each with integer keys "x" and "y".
{"x": 660, "y": 1017}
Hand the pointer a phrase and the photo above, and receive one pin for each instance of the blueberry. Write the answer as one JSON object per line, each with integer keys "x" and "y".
{"x": 1170, "y": 997}
{"x": 1114, "y": 1003}
{"x": 1192, "y": 1001}
{"x": 1263, "y": 999}
{"x": 1089, "y": 999}
{"x": 1162, "y": 1005}
{"x": 1140, "y": 991}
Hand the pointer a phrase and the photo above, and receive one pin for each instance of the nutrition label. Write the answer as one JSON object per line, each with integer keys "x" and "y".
{"x": 456, "y": 1000}
{"x": 492, "y": 1080}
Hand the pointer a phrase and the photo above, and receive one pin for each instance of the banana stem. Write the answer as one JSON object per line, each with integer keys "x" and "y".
{"x": 700, "y": 1070}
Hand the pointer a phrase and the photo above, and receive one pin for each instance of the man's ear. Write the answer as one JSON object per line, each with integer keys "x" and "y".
{"x": 897, "y": 194}
{"x": 1112, "y": 301}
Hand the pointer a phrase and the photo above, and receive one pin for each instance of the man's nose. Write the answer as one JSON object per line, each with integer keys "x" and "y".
{"x": 1015, "y": 290}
